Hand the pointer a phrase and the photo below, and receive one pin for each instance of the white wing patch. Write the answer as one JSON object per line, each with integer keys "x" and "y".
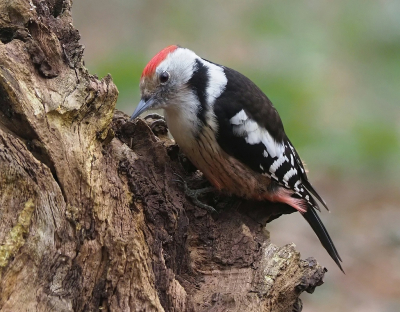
{"x": 239, "y": 118}
{"x": 277, "y": 163}
{"x": 296, "y": 186}
{"x": 277, "y": 155}
{"x": 245, "y": 127}
{"x": 298, "y": 160}
{"x": 289, "y": 174}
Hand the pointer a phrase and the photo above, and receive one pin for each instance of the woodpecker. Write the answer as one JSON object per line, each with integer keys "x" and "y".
{"x": 230, "y": 131}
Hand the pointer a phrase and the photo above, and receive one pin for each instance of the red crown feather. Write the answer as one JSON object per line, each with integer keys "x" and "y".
{"x": 156, "y": 60}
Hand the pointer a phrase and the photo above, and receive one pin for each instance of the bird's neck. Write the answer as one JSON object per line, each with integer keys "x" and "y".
{"x": 182, "y": 121}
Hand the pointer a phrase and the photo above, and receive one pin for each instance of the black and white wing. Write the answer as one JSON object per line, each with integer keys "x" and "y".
{"x": 253, "y": 133}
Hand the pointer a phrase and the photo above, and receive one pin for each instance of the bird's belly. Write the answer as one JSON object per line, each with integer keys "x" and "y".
{"x": 223, "y": 171}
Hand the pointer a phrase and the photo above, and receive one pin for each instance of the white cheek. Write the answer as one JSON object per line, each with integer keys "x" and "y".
{"x": 181, "y": 60}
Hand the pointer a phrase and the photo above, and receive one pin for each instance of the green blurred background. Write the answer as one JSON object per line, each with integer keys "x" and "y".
{"x": 332, "y": 69}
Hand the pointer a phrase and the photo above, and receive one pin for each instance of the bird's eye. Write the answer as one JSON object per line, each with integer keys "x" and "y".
{"x": 164, "y": 77}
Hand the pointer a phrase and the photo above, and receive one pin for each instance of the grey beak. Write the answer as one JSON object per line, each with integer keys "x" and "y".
{"x": 142, "y": 106}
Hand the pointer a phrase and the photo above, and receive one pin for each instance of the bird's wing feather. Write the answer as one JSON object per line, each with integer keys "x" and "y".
{"x": 256, "y": 137}
{"x": 253, "y": 133}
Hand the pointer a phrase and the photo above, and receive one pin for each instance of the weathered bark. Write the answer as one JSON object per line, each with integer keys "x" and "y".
{"x": 90, "y": 217}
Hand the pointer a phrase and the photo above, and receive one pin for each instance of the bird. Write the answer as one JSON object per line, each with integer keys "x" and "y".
{"x": 231, "y": 132}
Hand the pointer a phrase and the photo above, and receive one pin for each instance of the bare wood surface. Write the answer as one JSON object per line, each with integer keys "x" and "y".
{"x": 90, "y": 217}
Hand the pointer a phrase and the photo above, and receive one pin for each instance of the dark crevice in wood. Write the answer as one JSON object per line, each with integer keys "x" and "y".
{"x": 7, "y": 34}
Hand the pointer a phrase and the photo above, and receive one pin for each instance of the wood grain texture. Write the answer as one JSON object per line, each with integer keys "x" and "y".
{"x": 90, "y": 218}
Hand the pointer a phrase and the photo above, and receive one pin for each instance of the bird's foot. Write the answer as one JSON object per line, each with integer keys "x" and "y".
{"x": 156, "y": 123}
{"x": 154, "y": 116}
{"x": 193, "y": 194}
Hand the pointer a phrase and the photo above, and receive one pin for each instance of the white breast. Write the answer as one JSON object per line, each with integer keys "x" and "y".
{"x": 182, "y": 121}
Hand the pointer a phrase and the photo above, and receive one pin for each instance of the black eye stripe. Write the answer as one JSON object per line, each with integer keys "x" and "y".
{"x": 164, "y": 77}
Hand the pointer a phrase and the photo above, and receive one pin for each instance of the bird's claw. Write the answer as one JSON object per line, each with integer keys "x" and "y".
{"x": 156, "y": 123}
{"x": 154, "y": 116}
{"x": 193, "y": 194}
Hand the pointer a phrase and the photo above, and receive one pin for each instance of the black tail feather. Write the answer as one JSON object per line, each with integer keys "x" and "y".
{"x": 311, "y": 189}
{"x": 304, "y": 178}
{"x": 315, "y": 222}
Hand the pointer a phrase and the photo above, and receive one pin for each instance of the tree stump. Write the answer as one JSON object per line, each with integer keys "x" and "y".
{"x": 90, "y": 217}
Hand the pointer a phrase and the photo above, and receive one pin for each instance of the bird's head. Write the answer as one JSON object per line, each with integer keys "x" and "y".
{"x": 165, "y": 79}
